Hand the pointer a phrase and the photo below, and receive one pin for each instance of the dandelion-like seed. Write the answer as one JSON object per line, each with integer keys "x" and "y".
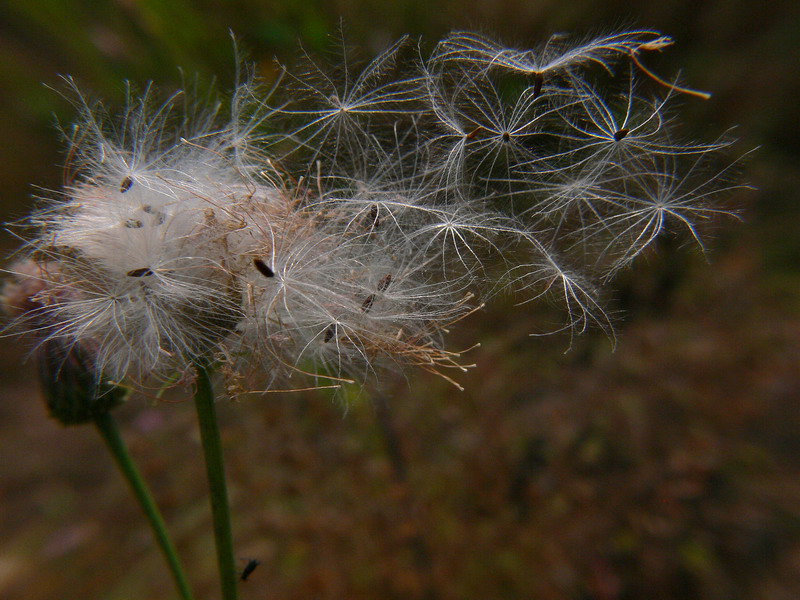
{"x": 395, "y": 200}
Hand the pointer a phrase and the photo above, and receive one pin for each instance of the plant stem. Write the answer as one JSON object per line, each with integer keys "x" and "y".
{"x": 110, "y": 433}
{"x": 215, "y": 471}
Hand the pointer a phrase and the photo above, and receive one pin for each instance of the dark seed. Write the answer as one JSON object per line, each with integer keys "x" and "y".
{"x": 367, "y": 304}
{"x": 506, "y": 136}
{"x": 263, "y": 268}
{"x": 538, "y": 81}
{"x": 126, "y": 184}
{"x": 619, "y": 135}
{"x": 384, "y": 283}
{"x": 329, "y": 333}
{"x": 251, "y": 566}
{"x": 143, "y": 272}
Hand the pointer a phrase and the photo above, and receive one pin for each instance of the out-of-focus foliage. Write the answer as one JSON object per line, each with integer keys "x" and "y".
{"x": 666, "y": 470}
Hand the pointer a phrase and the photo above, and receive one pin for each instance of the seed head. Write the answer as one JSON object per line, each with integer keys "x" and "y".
{"x": 395, "y": 200}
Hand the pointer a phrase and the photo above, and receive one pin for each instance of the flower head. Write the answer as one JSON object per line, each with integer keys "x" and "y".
{"x": 333, "y": 225}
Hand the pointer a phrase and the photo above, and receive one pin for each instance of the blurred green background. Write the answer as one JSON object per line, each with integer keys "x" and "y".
{"x": 667, "y": 469}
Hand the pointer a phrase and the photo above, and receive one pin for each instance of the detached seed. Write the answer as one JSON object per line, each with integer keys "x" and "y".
{"x": 367, "y": 304}
{"x": 619, "y": 135}
{"x": 538, "y": 81}
{"x": 384, "y": 283}
{"x": 329, "y": 333}
{"x": 263, "y": 268}
{"x": 471, "y": 135}
{"x": 143, "y": 272}
{"x": 126, "y": 184}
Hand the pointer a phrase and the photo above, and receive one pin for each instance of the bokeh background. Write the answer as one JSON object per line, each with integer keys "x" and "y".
{"x": 669, "y": 468}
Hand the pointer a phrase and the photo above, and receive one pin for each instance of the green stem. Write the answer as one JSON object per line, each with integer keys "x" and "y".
{"x": 215, "y": 470}
{"x": 110, "y": 433}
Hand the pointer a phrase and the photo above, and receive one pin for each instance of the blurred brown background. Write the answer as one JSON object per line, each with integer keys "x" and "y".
{"x": 667, "y": 469}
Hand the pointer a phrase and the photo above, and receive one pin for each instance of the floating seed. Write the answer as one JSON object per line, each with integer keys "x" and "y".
{"x": 538, "y": 81}
{"x": 367, "y": 304}
{"x": 263, "y": 268}
{"x": 133, "y": 224}
{"x": 619, "y": 135}
{"x": 471, "y": 135}
{"x": 329, "y": 333}
{"x": 384, "y": 283}
{"x": 126, "y": 184}
{"x": 143, "y": 272}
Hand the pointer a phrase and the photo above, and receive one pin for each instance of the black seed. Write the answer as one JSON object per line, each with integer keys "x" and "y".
{"x": 329, "y": 333}
{"x": 384, "y": 283}
{"x": 619, "y": 135}
{"x": 126, "y": 184}
{"x": 251, "y": 566}
{"x": 538, "y": 81}
{"x": 506, "y": 136}
{"x": 133, "y": 224}
{"x": 263, "y": 268}
{"x": 143, "y": 272}
{"x": 367, "y": 304}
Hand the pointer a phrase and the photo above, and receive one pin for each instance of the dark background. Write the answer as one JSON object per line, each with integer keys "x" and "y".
{"x": 667, "y": 469}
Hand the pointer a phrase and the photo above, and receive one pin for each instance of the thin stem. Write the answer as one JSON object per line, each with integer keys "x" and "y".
{"x": 215, "y": 471}
{"x": 110, "y": 433}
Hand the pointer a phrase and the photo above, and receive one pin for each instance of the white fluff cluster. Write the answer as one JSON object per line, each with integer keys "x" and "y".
{"x": 355, "y": 212}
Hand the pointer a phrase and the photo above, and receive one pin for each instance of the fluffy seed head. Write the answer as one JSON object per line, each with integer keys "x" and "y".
{"x": 334, "y": 225}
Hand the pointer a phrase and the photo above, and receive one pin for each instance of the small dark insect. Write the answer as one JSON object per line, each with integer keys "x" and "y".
{"x": 619, "y": 135}
{"x": 143, "y": 272}
{"x": 248, "y": 570}
{"x": 374, "y": 217}
{"x": 367, "y": 304}
{"x": 384, "y": 283}
{"x": 126, "y": 184}
{"x": 263, "y": 268}
{"x": 329, "y": 333}
{"x": 471, "y": 135}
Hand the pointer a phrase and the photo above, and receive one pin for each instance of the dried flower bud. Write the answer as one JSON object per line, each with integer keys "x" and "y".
{"x": 73, "y": 391}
